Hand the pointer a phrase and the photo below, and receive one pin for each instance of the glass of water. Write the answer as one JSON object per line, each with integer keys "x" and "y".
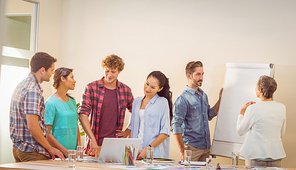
{"x": 210, "y": 163}
{"x": 187, "y": 157}
{"x": 149, "y": 156}
{"x": 235, "y": 159}
{"x": 80, "y": 150}
{"x": 71, "y": 158}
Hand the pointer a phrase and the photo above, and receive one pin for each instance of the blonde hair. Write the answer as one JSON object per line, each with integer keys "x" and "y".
{"x": 113, "y": 62}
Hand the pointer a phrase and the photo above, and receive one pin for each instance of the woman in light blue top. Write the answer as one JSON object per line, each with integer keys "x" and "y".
{"x": 61, "y": 113}
{"x": 151, "y": 116}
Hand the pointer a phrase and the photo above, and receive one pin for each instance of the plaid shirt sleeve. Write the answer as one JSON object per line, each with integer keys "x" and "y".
{"x": 32, "y": 102}
{"x": 130, "y": 99}
{"x": 86, "y": 103}
{"x": 126, "y": 99}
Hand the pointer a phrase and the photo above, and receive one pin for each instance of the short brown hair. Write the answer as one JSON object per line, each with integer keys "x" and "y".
{"x": 113, "y": 62}
{"x": 41, "y": 59}
{"x": 267, "y": 85}
{"x": 190, "y": 67}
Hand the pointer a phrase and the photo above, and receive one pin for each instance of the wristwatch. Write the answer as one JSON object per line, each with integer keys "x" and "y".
{"x": 150, "y": 146}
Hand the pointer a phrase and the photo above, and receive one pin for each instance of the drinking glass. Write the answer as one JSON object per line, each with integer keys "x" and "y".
{"x": 210, "y": 163}
{"x": 187, "y": 157}
{"x": 149, "y": 156}
{"x": 234, "y": 159}
{"x": 71, "y": 158}
{"x": 80, "y": 150}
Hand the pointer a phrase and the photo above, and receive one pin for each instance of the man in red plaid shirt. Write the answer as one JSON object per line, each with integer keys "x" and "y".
{"x": 103, "y": 106}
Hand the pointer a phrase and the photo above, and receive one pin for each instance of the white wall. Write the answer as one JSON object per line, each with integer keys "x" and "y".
{"x": 165, "y": 35}
{"x": 50, "y": 34}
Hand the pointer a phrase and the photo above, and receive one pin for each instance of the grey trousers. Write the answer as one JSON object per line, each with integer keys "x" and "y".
{"x": 253, "y": 162}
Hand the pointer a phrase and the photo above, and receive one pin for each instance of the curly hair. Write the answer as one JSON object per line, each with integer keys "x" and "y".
{"x": 113, "y": 62}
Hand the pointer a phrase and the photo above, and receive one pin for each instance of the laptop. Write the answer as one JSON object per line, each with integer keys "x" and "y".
{"x": 113, "y": 149}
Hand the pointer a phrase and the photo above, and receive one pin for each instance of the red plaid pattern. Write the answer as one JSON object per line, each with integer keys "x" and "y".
{"x": 91, "y": 104}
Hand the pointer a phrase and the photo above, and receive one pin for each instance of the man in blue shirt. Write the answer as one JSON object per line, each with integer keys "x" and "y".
{"x": 191, "y": 115}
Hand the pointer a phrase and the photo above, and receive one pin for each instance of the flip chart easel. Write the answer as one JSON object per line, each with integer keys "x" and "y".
{"x": 239, "y": 88}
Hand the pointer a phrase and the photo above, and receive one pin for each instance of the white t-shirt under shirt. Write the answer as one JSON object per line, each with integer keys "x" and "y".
{"x": 156, "y": 122}
{"x": 141, "y": 129}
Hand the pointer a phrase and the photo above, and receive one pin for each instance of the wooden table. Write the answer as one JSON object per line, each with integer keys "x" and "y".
{"x": 60, "y": 165}
{"x": 53, "y": 165}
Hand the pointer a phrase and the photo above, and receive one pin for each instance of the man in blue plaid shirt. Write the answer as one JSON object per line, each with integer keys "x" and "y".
{"x": 27, "y": 126}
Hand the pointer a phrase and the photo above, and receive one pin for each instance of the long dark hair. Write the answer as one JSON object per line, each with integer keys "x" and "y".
{"x": 58, "y": 74}
{"x": 165, "y": 92}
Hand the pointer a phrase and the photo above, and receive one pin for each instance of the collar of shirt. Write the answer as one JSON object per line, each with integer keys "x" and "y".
{"x": 101, "y": 83}
{"x": 193, "y": 91}
{"x": 154, "y": 98}
{"x": 32, "y": 76}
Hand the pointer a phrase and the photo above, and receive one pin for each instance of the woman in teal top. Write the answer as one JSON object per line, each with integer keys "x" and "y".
{"x": 61, "y": 113}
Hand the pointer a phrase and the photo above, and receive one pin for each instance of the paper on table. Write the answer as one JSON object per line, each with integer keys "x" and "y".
{"x": 161, "y": 160}
{"x": 198, "y": 163}
{"x": 138, "y": 167}
{"x": 266, "y": 168}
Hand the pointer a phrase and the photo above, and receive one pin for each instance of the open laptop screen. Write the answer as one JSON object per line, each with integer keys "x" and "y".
{"x": 113, "y": 149}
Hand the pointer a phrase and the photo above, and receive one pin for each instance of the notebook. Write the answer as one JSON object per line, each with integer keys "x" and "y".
{"x": 113, "y": 149}
{"x": 196, "y": 163}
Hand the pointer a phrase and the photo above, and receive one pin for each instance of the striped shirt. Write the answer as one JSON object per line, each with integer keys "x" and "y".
{"x": 27, "y": 98}
{"x": 92, "y": 100}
